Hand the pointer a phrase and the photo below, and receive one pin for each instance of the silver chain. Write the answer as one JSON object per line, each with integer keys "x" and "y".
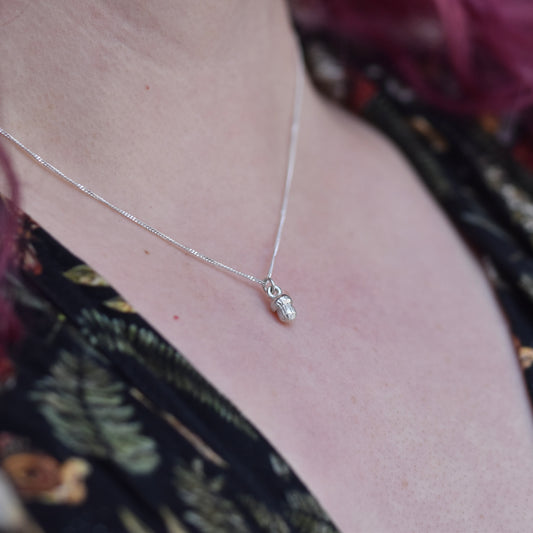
{"x": 266, "y": 282}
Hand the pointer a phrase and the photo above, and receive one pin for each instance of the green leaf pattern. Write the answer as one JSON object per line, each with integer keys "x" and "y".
{"x": 85, "y": 275}
{"x": 86, "y": 407}
{"x": 163, "y": 361}
{"x": 306, "y": 514}
{"x": 209, "y": 510}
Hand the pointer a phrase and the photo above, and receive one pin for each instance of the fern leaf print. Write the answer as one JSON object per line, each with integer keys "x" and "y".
{"x": 86, "y": 406}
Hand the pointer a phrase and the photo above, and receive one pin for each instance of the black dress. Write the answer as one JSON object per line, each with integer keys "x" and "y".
{"x": 105, "y": 427}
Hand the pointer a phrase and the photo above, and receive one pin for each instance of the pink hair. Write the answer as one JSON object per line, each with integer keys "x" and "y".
{"x": 464, "y": 55}
{"x": 9, "y": 325}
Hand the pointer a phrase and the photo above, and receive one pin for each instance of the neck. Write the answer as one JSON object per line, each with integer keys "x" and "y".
{"x": 167, "y": 32}
{"x": 195, "y": 96}
{"x": 213, "y": 60}
{"x": 197, "y": 77}
{"x": 71, "y": 55}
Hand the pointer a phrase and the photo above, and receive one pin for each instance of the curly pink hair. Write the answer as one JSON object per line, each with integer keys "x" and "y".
{"x": 465, "y": 55}
{"x": 9, "y": 325}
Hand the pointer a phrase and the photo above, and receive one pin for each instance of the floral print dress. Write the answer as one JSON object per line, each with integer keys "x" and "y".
{"x": 105, "y": 427}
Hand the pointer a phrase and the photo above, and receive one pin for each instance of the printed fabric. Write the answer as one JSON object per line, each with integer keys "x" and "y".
{"x": 105, "y": 427}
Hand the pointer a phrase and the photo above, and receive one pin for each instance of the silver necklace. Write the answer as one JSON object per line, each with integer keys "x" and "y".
{"x": 280, "y": 302}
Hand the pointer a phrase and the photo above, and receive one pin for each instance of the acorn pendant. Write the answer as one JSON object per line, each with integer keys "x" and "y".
{"x": 279, "y": 302}
{"x": 284, "y": 308}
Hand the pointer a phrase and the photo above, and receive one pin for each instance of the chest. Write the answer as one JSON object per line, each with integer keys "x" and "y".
{"x": 395, "y": 390}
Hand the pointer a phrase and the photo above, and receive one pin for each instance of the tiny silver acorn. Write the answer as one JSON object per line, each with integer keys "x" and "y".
{"x": 282, "y": 304}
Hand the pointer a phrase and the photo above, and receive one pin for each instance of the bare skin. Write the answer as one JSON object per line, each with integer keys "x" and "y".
{"x": 396, "y": 395}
